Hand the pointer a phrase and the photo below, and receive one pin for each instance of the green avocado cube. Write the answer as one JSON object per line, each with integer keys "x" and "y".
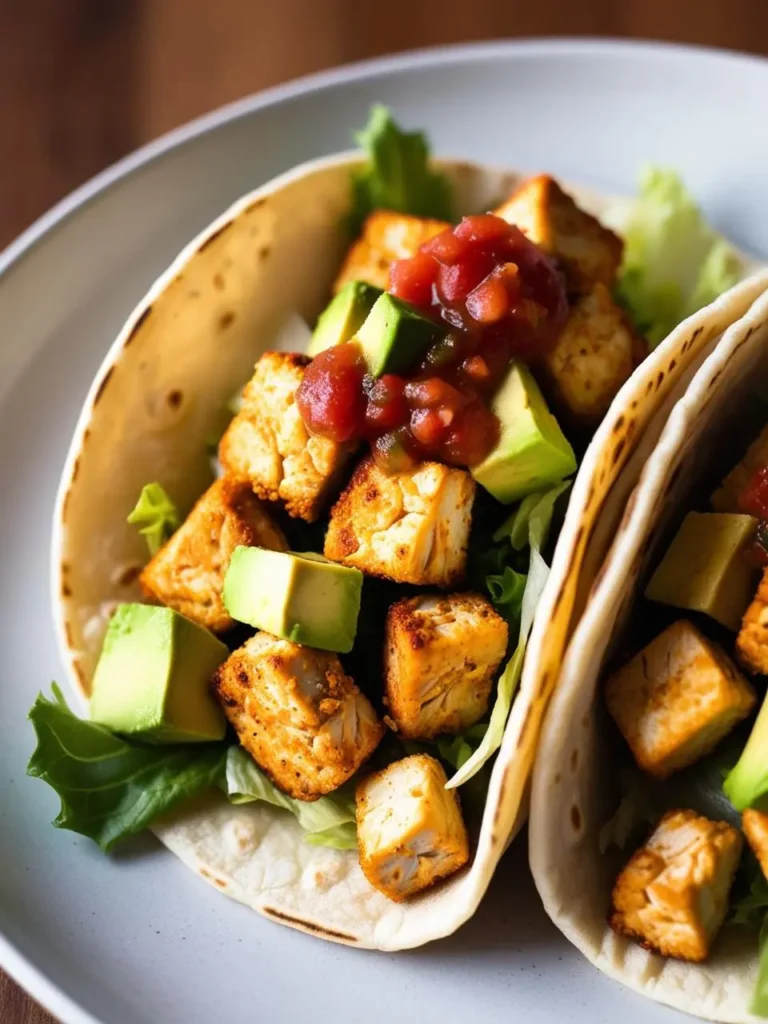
{"x": 343, "y": 316}
{"x": 532, "y": 452}
{"x": 152, "y": 677}
{"x": 705, "y": 568}
{"x": 300, "y": 597}
{"x": 746, "y": 785}
{"x": 395, "y": 335}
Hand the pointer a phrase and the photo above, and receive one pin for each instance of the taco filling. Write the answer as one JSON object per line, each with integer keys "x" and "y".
{"x": 338, "y": 626}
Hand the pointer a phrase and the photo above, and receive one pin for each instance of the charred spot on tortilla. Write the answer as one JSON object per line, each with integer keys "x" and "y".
{"x": 659, "y": 379}
{"x": 264, "y": 253}
{"x": 256, "y": 204}
{"x": 309, "y": 926}
{"x": 175, "y": 398}
{"x": 576, "y": 818}
{"x": 216, "y": 234}
{"x": 714, "y": 379}
{"x": 672, "y": 365}
{"x": 618, "y": 451}
{"x": 574, "y": 759}
{"x": 618, "y": 424}
{"x": 66, "y": 590}
{"x": 105, "y": 380}
{"x": 527, "y": 720}
{"x": 75, "y": 469}
{"x": 226, "y": 319}
{"x": 218, "y": 282}
{"x": 128, "y": 576}
{"x": 137, "y": 326}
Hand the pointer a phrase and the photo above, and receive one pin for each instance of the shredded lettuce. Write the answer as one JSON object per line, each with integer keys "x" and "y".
{"x": 674, "y": 263}
{"x": 536, "y": 513}
{"x": 156, "y": 514}
{"x": 397, "y": 176}
{"x": 329, "y": 821}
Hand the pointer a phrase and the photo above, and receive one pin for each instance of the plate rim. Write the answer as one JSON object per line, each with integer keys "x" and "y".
{"x": 16, "y": 964}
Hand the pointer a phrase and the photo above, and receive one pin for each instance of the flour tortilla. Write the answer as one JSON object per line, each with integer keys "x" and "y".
{"x": 187, "y": 347}
{"x": 571, "y": 792}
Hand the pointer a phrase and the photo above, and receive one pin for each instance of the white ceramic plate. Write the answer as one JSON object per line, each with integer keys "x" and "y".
{"x": 137, "y": 939}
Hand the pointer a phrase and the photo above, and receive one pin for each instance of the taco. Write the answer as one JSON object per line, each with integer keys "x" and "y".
{"x": 347, "y": 618}
{"x": 648, "y": 827}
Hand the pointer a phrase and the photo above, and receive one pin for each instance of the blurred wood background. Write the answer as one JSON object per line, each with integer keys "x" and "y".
{"x": 83, "y": 82}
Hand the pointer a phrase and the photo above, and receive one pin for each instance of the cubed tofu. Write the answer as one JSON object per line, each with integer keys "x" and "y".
{"x": 410, "y": 832}
{"x": 752, "y": 641}
{"x": 676, "y": 699}
{"x": 440, "y": 656}
{"x": 726, "y": 497}
{"x": 187, "y": 573}
{"x": 268, "y": 444}
{"x": 386, "y": 237}
{"x": 673, "y": 894}
{"x": 410, "y": 527}
{"x": 302, "y": 720}
{"x": 592, "y": 357}
{"x": 754, "y": 824}
{"x": 588, "y": 252}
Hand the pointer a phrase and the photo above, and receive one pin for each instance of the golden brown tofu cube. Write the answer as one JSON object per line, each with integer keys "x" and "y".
{"x": 302, "y": 720}
{"x": 440, "y": 656}
{"x": 386, "y": 237}
{"x": 676, "y": 699}
{"x": 589, "y": 253}
{"x": 754, "y": 824}
{"x": 673, "y": 894}
{"x": 411, "y": 527}
{"x": 187, "y": 573}
{"x": 752, "y": 641}
{"x": 268, "y": 444}
{"x": 410, "y": 831}
{"x": 593, "y": 356}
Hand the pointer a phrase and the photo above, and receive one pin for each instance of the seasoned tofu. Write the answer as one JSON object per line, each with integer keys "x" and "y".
{"x": 593, "y": 356}
{"x": 440, "y": 658}
{"x": 410, "y": 832}
{"x": 673, "y": 894}
{"x": 752, "y": 641}
{"x": 187, "y": 573}
{"x": 302, "y": 720}
{"x": 410, "y": 527}
{"x": 726, "y": 497}
{"x": 268, "y": 444}
{"x": 676, "y": 699}
{"x": 386, "y": 237}
{"x": 588, "y": 252}
{"x": 754, "y": 825}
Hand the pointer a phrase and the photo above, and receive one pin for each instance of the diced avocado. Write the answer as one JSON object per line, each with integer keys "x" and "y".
{"x": 301, "y": 597}
{"x": 747, "y": 783}
{"x": 152, "y": 677}
{"x": 705, "y": 568}
{"x": 532, "y": 452}
{"x": 343, "y": 316}
{"x": 726, "y": 497}
{"x": 396, "y": 335}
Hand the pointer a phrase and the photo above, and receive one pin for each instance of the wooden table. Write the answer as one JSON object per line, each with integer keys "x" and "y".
{"x": 82, "y": 82}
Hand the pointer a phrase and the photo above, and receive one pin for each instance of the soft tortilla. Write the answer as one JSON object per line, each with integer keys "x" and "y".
{"x": 156, "y": 400}
{"x": 572, "y": 780}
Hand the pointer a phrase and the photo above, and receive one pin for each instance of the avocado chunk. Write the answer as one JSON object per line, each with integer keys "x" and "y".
{"x": 746, "y": 785}
{"x": 395, "y": 335}
{"x": 343, "y": 316}
{"x": 152, "y": 677}
{"x": 532, "y": 452}
{"x": 705, "y": 568}
{"x": 300, "y": 597}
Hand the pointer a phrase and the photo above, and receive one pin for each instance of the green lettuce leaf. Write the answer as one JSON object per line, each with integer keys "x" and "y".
{"x": 329, "y": 821}
{"x": 156, "y": 514}
{"x": 397, "y": 176}
{"x": 674, "y": 263}
{"x": 110, "y": 788}
{"x": 536, "y": 512}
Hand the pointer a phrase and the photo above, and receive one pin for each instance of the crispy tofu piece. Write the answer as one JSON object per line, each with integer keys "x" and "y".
{"x": 268, "y": 444}
{"x": 302, "y": 720}
{"x": 588, "y": 252}
{"x": 752, "y": 641}
{"x": 409, "y": 827}
{"x": 386, "y": 237}
{"x": 410, "y": 527}
{"x": 676, "y": 699}
{"x": 440, "y": 657}
{"x": 187, "y": 573}
{"x": 673, "y": 894}
{"x": 726, "y": 497}
{"x": 754, "y": 824}
{"x": 593, "y": 356}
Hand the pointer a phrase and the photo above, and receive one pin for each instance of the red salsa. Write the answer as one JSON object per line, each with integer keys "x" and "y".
{"x": 498, "y": 297}
{"x": 753, "y": 501}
